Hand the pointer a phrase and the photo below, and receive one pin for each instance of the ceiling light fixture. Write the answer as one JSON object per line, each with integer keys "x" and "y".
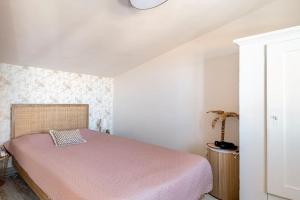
{"x": 146, "y": 4}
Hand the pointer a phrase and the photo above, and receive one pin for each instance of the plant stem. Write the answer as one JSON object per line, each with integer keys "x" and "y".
{"x": 223, "y": 130}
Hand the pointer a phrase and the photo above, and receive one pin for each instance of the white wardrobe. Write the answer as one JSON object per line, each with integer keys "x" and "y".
{"x": 270, "y": 115}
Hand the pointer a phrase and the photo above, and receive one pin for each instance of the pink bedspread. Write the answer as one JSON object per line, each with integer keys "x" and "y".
{"x": 111, "y": 168}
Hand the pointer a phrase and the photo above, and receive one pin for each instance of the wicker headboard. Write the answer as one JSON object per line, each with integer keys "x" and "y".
{"x": 39, "y": 118}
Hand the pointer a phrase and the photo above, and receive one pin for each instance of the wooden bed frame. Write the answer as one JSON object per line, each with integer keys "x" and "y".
{"x": 39, "y": 118}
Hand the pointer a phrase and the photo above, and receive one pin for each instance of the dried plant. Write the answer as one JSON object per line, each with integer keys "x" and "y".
{"x": 222, "y": 116}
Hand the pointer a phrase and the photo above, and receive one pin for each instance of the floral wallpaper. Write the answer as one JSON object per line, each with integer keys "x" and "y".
{"x": 32, "y": 85}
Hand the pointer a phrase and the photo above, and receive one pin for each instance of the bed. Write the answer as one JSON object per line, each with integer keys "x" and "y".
{"x": 105, "y": 167}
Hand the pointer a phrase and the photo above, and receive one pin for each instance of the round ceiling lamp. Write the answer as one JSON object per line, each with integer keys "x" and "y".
{"x": 146, "y": 4}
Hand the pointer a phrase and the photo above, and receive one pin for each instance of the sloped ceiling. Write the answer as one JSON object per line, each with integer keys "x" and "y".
{"x": 105, "y": 37}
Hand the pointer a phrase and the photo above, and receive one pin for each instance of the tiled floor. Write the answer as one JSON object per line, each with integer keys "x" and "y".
{"x": 16, "y": 189}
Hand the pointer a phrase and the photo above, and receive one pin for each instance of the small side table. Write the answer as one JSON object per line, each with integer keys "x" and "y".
{"x": 225, "y": 167}
{"x": 3, "y": 168}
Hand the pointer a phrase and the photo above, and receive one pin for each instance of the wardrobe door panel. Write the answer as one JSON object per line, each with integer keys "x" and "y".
{"x": 283, "y": 118}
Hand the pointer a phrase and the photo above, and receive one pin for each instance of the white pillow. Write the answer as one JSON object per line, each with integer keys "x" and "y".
{"x": 66, "y": 137}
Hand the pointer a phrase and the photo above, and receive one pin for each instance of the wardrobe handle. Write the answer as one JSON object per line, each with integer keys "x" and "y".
{"x": 274, "y": 117}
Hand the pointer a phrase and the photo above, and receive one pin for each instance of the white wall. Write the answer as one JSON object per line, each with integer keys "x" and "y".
{"x": 221, "y": 85}
{"x": 157, "y": 102}
{"x": 164, "y": 100}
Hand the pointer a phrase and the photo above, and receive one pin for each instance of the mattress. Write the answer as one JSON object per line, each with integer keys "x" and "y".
{"x": 109, "y": 167}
